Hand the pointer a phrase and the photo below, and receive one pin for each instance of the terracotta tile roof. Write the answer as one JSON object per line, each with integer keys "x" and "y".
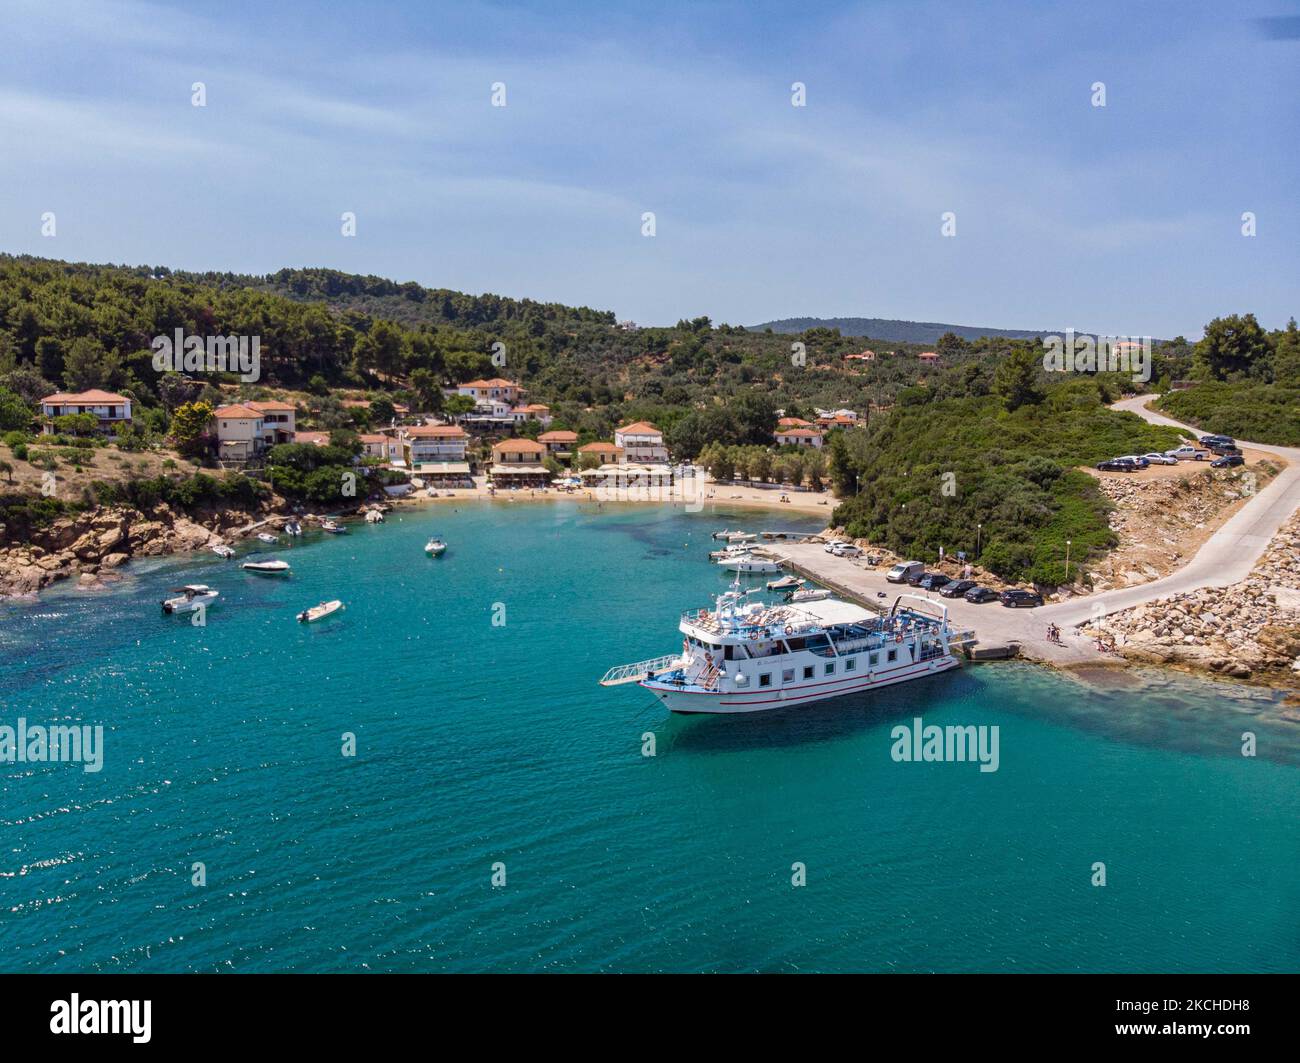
{"x": 518, "y": 446}
{"x": 269, "y": 407}
{"x": 639, "y": 428}
{"x": 495, "y": 382}
{"x": 437, "y": 431}
{"x": 800, "y": 433}
{"x": 599, "y": 448}
{"x": 793, "y": 422}
{"x": 237, "y": 413}
{"x": 558, "y": 436}
{"x": 93, "y": 397}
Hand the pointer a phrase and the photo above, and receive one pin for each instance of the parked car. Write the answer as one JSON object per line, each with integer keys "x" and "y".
{"x": 980, "y": 595}
{"x": 832, "y": 546}
{"x": 1210, "y": 441}
{"x": 1117, "y": 465}
{"x": 1224, "y": 448}
{"x": 901, "y": 571}
{"x": 1136, "y": 459}
{"x": 956, "y": 588}
{"x": 848, "y": 550}
{"x": 1227, "y": 461}
{"x": 1187, "y": 452}
{"x": 1161, "y": 459}
{"x": 1018, "y": 599}
{"x": 914, "y": 578}
{"x": 932, "y": 581}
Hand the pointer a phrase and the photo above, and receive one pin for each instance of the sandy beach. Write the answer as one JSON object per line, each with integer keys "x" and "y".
{"x": 685, "y": 494}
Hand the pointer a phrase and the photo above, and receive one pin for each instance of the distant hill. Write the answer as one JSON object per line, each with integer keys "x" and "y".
{"x": 881, "y": 328}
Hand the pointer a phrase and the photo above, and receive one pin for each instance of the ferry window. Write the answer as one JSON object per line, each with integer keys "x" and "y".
{"x": 830, "y": 667}
{"x": 875, "y": 659}
{"x": 787, "y": 676}
{"x": 893, "y": 655}
{"x": 765, "y": 680}
{"x": 808, "y": 672}
{"x": 851, "y": 664}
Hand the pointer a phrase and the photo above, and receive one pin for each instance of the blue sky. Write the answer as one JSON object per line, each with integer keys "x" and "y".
{"x": 1123, "y": 219}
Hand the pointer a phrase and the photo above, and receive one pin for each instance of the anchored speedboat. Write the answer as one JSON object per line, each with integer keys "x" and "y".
{"x": 435, "y": 547}
{"x": 745, "y": 656}
{"x": 192, "y": 596}
{"x": 267, "y": 568}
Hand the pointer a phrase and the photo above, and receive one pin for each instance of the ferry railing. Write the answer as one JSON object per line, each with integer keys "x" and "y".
{"x": 638, "y": 670}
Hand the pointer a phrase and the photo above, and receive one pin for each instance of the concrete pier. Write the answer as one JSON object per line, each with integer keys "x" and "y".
{"x": 1000, "y": 633}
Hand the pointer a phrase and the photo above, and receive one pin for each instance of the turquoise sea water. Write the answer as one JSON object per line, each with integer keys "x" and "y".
{"x": 479, "y": 744}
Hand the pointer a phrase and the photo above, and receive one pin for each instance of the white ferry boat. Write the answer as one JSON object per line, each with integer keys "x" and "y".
{"x": 752, "y": 656}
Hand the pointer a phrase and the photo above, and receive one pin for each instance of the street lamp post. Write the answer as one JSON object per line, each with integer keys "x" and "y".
{"x": 1067, "y": 560}
{"x": 979, "y": 528}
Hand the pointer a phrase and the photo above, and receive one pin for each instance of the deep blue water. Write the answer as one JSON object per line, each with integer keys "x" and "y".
{"x": 479, "y": 743}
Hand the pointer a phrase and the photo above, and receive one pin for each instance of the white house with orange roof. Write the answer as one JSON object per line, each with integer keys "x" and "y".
{"x": 110, "y": 408}
{"x": 928, "y": 358}
{"x": 560, "y": 443}
{"x": 240, "y": 432}
{"x": 799, "y": 437}
{"x": 519, "y": 463}
{"x": 279, "y": 420}
{"x": 604, "y": 453}
{"x": 494, "y": 390}
{"x": 436, "y": 454}
{"x": 533, "y": 411}
{"x": 642, "y": 442}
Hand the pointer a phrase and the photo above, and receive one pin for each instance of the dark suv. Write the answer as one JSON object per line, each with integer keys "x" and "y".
{"x": 980, "y": 595}
{"x": 1227, "y": 461}
{"x": 914, "y": 580}
{"x": 1217, "y": 441}
{"x": 932, "y": 581}
{"x": 1118, "y": 465}
{"x": 956, "y": 588}
{"x": 1016, "y": 599}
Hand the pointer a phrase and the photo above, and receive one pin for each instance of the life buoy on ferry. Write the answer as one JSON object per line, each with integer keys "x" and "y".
{"x": 898, "y": 637}
{"x": 789, "y": 629}
{"x": 753, "y": 634}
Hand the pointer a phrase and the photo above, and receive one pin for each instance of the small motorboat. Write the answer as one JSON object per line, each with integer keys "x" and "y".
{"x": 435, "y": 547}
{"x": 333, "y": 527}
{"x": 319, "y": 612}
{"x": 223, "y": 551}
{"x": 293, "y": 528}
{"x": 785, "y": 583}
{"x": 374, "y": 516}
{"x": 812, "y": 594}
{"x": 267, "y": 537}
{"x": 749, "y": 563}
{"x": 191, "y": 597}
{"x": 273, "y": 567}
{"x": 734, "y": 550}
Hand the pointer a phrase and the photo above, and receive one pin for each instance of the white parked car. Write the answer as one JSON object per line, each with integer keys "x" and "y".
{"x": 1187, "y": 452}
{"x": 846, "y": 550}
{"x": 1161, "y": 459}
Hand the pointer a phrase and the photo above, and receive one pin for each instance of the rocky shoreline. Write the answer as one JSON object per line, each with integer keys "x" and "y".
{"x": 90, "y": 545}
{"x": 1250, "y": 630}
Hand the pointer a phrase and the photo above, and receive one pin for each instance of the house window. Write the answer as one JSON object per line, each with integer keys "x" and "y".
{"x": 893, "y": 655}
{"x": 830, "y": 668}
{"x": 765, "y": 680}
{"x": 787, "y": 676}
{"x": 808, "y": 672}
{"x": 851, "y": 665}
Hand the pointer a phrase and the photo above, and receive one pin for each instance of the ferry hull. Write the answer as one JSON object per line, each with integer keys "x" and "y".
{"x": 724, "y": 703}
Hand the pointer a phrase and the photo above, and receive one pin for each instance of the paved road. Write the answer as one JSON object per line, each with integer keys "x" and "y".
{"x": 1226, "y": 557}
